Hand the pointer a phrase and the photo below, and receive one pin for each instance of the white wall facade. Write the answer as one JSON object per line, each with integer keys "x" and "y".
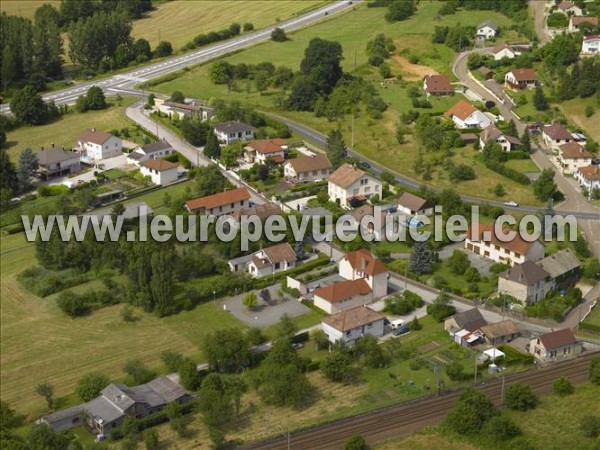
{"x": 486, "y": 32}
{"x": 526, "y": 294}
{"x": 476, "y": 120}
{"x": 350, "y": 336}
{"x": 307, "y": 176}
{"x": 504, "y": 255}
{"x": 333, "y": 308}
{"x": 160, "y": 177}
{"x": 112, "y": 147}
{"x": 366, "y": 185}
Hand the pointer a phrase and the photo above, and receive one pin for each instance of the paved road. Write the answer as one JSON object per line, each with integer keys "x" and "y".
{"x": 125, "y": 82}
{"x": 588, "y": 215}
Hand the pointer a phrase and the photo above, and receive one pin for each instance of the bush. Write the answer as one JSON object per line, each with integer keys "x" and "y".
{"x": 594, "y": 371}
{"x": 278, "y": 35}
{"x": 590, "y": 426}
{"x": 72, "y": 304}
{"x": 43, "y": 282}
{"x": 356, "y": 442}
{"x": 90, "y": 386}
{"x": 454, "y": 370}
{"x": 502, "y": 427}
{"x": 520, "y": 397}
{"x": 440, "y": 312}
{"x": 562, "y": 386}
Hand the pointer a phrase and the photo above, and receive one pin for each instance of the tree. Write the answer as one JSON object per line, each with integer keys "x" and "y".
{"x": 42, "y": 437}
{"x": 250, "y": 300}
{"x": 47, "y": 41}
{"x": 520, "y": 397}
{"x": 212, "y": 149}
{"x": 90, "y": 386}
{"x": 188, "y": 374}
{"x": 177, "y": 97}
{"x": 162, "y": 283}
{"x": 28, "y": 166}
{"x": 210, "y": 180}
{"x": 415, "y": 325}
{"x": 337, "y": 365}
{"x": 141, "y": 50}
{"x": 138, "y": 371}
{"x": 400, "y": 10}
{"x": 336, "y": 147}
{"x": 562, "y": 386}
{"x": 594, "y": 371}
{"x": 28, "y": 107}
{"x": 8, "y": 173}
{"x": 421, "y": 258}
{"x": 95, "y": 98}
{"x": 214, "y": 402}
{"x": 539, "y": 99}
{"x": 459, "y": 262}
{"x": 81, "y": 104}
{"x": 499, "y": 190}
{"x": 150, "y": 436}
{"x": 248, "y": 27}
{"x": 221, "y": 72}
{"x": 46, "y": 390}
{"x": 164, "y": 48}
{"x": 526, "y": 141}
{"x": 371, "y": 352}
{"x": 261, "y": 79}
{"x": 278, "y": 35}
{"x": 502, "y": 427}
{"x": 227, "y": 350}
{"x": 9, "y": 417}
{"x": 172, "y": 360}
{"x": 544, "y": 187}
{"x": 471, "y": 412}
{"x": 511, "y": 128}
{"x": 590, "y": 426}
{"x": 454, "y": 370}
{"x": 285, "y": 329}
{"x": 230, "y": 154}
{"x": 356, "y": 442}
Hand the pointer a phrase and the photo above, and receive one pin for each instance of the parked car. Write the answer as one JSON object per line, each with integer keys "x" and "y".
{"x": 511, "y": 204}
{"x": 365, "y": 164}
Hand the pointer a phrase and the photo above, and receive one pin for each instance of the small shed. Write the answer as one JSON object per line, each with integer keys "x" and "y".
{"x": 493, "y": 353}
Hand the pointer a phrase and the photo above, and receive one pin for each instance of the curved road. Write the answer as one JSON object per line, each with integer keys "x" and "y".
{"x": 125, "y": 82}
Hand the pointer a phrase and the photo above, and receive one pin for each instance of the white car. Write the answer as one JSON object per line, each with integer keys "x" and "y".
{"x": 511, "y": 204}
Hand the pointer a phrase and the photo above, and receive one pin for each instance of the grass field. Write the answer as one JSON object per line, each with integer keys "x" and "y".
{"x": 180, "y": 21}
{"x": 574, "y": 110}
{"x": 374, "y": 139}
{"x": 63, "y": 132}
{"x": 25, "y": 8}
{"x": 523, "y": 165}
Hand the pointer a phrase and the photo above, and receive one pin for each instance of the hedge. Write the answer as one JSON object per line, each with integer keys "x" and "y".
{"x": 508, "y": 172}
{"x": 594, "y": 328}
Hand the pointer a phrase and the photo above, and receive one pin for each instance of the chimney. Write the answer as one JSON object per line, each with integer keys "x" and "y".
{"x": 42, "y": 148}
{"x": 53, "y": 145}
{"x": 93, "y": 130}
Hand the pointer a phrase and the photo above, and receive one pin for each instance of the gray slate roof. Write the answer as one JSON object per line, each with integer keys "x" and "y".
{"x": 527, "y": 273}
{"x": 156, "y": 147}
{"x": 472, "y": 319}
{"x": 560, "y": 263}
{"x": 233, "y": 126}
{"x": 488, "y": 23}
{"x": 55, "y": 155}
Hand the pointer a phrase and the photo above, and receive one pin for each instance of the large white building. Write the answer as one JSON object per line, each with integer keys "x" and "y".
{"x": 234, "y": 130}
{"x": 590, "y": 45}
{"x": 487, "y": 30}
{"x": 493, "y": 134}
{"x": 307, "y": 168}
{"x": 228, "y": 202}
{"x": 588, "y": 177}
{"x": 485, "y": 243}
{"x": 155, "y": 150}
{"x": 573, "y": 157}
{"x": 361, "y": 264}
{"x": 465, "y": 115}
{"x": 352, "y": 324}
{"x": 271, "y": 260}
{"x": 95, "y": 145}
{"x": 349, "y": 186}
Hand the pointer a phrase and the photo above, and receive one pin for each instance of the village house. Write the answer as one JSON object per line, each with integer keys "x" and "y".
{"x": 264, "y": 150}
{"x": 437, "y": 85}
{"x": 95, "y": 145}
{"x": 555, "y": 135}
{"x": 352, "y": 324}
{"x": 227, "y": 202}
{"x": 555, "y": 346}
{"x": 343, "y": 295}
{"x": 563, "y": 267}
{"x": 503, "y": 51}
{"x": 470, "y": 320}
{"x": 349, "y": 186}
{"x": 270, "y": 260}
{"x": 573, "y": 157}
{"x": 493, "y": 134}
{"x": 465, "y": 115}
{"x": 521, "y": 79}
{"x": 160, "y": 171}
{"x": 414, "y": 205}
{"x": 569, "y": 8}
{"x": 576, "y": 21}
{"x": 381, "y": 227}
{"x": 487, "y": 30}
{"x": 527, "y": 282}
{"x": 500, "y": 332}
{"x": 234, "y": 130}
{"x": 485, "y": 243}
{"x": 361, "y": 264}
{"x": 155, "y": 150}
{"x": 263, "y": 212}
{"x": 117, "y": 402}
{"x": 191, "y": 110}
{"x": 469, "y": 138}
{"x": 307, "y": 168}
{"x": 488, "y": 74}
{"x": 590, "y": 45}
{"x": 588, "y": 177}
{"x": 57, "y": 162}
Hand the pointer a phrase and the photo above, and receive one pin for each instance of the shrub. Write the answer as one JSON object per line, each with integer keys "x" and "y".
{"x": 90, "y": 386}
{"x": 440, "y": 312}
{"x": 72, "y": 304}
{"x": 454, "y": 370}
{"x": 502, "y": 427}
{"x": 356, "y": 442}
{"x": 562, "y": 386}
{"x": 594, "y": 371}
{"x": 520, "y": 397}
{"x": 590, "y": 426}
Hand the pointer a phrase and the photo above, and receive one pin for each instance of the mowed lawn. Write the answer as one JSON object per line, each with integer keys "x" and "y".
{"x": 574, "y": 110}
{"x": 40, "y": 343}
{"x": 374, "y": 139}
{"x": 25, "y": 8}
{"x": 63, "y": 131}
{"x": 180, "y": 21}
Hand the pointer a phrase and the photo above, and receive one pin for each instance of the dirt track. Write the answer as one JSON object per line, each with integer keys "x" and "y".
{"x": 409, "y": 417}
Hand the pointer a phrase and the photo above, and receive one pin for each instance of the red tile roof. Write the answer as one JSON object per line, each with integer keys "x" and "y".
{"x": 462, "y": 110}
{"x": 352, "y": 318}
{"x": 93, "y": 135}
{"x": 557, "y": 132}
{"x": 160, "y": 165}
{"x": 309, "y": 163}
{"x": 499, "y": 48}
{"x": 565, "y": 5}
{"x": 572, "y": 150}
{"x": 517, "y": 245}
{"x": 524, "y": 74}
{"x": 591, "y": 173}
{"x": 343, "y": 290}
{"x": 265, "y": 146}
{"x": 581, "y": 19}
{"x": 558, "y": 338}
{"x": 363, "y": 260}
{"x": 216, "y": 200}
{"x": 592, "y": 38}
{"x": 345, "y": 175}
{"x": 436, "y": 84}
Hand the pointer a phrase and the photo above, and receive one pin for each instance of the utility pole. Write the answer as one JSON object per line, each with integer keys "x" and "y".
{"x": 475, "y": 380}
{"x": 502, "y": 392}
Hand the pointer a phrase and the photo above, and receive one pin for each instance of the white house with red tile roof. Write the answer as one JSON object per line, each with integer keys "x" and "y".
{"x": 349, "y": 186}
{"x": 503, "y": 51}
{"x": 161, "y": 171}
{"x": 573, "y": 156}
{"x": 227, "y": 202}
{"x": 266, "y": 149}
{"x": 96, "y": 145}
{"x": 590, "y": 45}
{"x": 343, "y": 295}
{"x": 554, "y": 346}
{"x": 271, "y": 260}
{"x": 465, "y": 115}
{"x": 493, "y": 134}
{"x": 307, "y": 168}
{"x": 556, "y": 135}
{"x": 361, "y": 264}
{"x": 437, "y": 85}
{"x": 352, "y": 324}
{"x": 576, "y": 21}
{"x": 588, "y": 177}
{"x": 521, "y": 79}
{"x": 569, "y": 8}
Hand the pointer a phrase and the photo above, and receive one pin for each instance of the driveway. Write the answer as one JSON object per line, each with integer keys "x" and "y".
{"x": 481, "y": 264}
{"x": 265, "y": 315}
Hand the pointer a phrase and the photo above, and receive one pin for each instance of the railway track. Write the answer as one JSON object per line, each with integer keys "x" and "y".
{"x": 409, "y": 417}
